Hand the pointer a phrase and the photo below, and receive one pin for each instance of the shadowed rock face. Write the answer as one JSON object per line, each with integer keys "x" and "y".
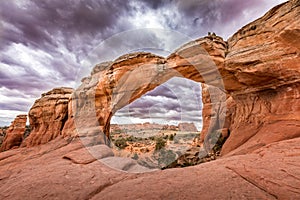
{"x": 14, "y": 134}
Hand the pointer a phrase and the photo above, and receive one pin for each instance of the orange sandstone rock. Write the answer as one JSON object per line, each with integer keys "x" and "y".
{"x": 48, "y": 116}
{"x": 14, "y": 134}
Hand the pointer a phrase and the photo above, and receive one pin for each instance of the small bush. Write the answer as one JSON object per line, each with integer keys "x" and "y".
{"x": 160, "y": 143}
{"x": 152, "y": 138}
{"x": 171, "y": 137}
{"x": 121, "y": 143}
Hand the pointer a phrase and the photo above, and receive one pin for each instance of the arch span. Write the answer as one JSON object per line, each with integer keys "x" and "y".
{"x": 132, "y": 75}
{"x": 113, "y": 85}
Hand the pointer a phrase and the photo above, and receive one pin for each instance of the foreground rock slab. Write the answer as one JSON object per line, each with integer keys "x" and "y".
{"x": 52, "y": 171}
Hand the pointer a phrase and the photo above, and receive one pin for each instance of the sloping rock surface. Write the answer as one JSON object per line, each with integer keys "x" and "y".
{"x": 66, "y": 170}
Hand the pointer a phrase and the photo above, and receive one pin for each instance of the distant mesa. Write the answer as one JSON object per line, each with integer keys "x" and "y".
{"x": 185, "y": 126}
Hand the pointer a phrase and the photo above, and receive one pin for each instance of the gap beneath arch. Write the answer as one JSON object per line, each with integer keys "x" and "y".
{"x": 161, "y": 125}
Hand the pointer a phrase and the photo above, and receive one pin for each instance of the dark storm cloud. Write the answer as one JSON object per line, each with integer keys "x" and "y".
{"x": 155, "y": 4}
{"x": 212, "y": 11}
{"x": 38, "y": 23}
{"x": 195, "y": 18}
{"x": 178, "y": 100}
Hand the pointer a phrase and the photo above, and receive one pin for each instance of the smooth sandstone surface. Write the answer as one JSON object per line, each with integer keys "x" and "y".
{"x": 62, "y": 169}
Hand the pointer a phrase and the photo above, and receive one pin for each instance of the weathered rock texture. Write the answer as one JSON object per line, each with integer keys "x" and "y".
{"x": 264, "y": 58}
{"x": 14, "y": 134}
{"x": 130, "y": 76}
{"x": 259, "y": 67}
{"x": 59, "y": 170}
{"x": 217, "y": 110}
{"x": 48, "y": 116}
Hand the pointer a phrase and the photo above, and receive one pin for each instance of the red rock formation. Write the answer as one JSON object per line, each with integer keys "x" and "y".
{"x": 132, "y": 75}
{"x": 170, "y": 127}
{"x": 256, "y": 76}
{"x": 264, "y": 58}
{"x": 48, "y": 116}
{"x": 14, "y": 134}
{"x": 148, "y": 126}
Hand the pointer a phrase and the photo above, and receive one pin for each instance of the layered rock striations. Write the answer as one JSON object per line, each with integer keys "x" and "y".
{"x": 14, "y": 134}
{"x": 58, "y": 170}
{"x": 264, "y": 58}
{"x": 132, "y": 75}
{"x": 47, "y": 116}
{"x": 254, "y": 70}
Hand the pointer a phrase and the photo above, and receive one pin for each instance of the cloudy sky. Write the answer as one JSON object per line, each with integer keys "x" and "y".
{"x": 177, "y": 100}
{"x": 52, "y": 43}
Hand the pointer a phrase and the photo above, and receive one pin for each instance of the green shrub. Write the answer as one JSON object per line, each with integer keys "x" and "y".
{"x": 121, "y": 143}
{"x": 152, "y": 138}
{"x": 171, "y": 137}
{"x": 160, "y": 143}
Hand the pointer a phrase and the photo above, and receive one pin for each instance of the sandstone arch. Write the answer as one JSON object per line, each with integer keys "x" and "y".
{"x": 177, "y": 100}
{"x": 130, "y": 76}
{"x": 258, "y": 66}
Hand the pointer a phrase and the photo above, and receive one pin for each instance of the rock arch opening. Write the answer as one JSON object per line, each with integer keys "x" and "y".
{"x": 113, "y": 85}
{"x": 161, "y": 125}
